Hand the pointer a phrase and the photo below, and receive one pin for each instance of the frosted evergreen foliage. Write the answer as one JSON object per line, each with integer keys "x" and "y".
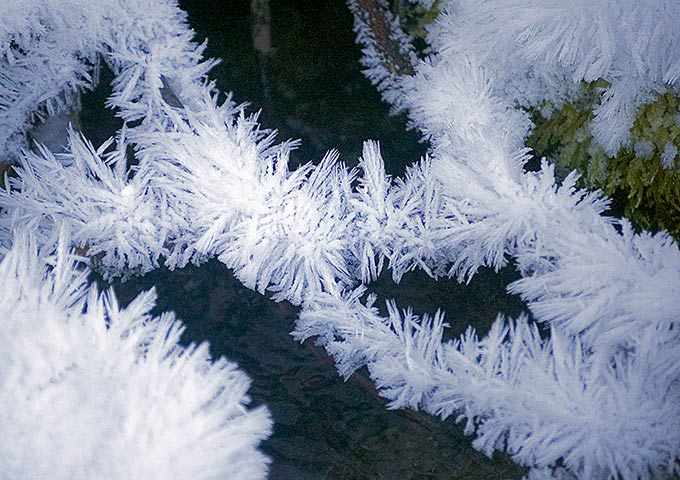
{"x": 93, "y": 390}
{"x": 599, "y": 396}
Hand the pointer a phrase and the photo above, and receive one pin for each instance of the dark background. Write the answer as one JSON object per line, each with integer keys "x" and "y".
{"x": 318, "y": 92}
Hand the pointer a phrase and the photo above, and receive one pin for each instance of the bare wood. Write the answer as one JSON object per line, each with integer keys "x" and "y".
{"x": 395, "y": 61}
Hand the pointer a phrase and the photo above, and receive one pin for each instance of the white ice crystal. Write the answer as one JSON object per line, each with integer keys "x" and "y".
{"x": 598, "y": 397}
{"x": 668, "y": 155}
{"x": 539, "y": 50}
{"x": 603, "y": 288}
{"x": 89, "y": 389}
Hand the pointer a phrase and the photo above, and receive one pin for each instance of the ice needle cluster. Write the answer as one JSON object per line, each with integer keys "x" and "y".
{"x": 598, "y": 398}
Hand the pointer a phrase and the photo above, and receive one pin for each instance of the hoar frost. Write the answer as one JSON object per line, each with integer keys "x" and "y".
{"x": 600, "y": 397}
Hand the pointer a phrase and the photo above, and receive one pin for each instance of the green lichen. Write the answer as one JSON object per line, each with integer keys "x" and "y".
{"x": 643, "y": 179}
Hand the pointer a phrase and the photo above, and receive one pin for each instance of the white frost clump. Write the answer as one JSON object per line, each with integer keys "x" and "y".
{"x": 537, "y": 50}
{"x": 50, "y": 52}
{"x": 668, "y": 155}
{"x": 88, "y": 190}
{"x": 92, "y": 390}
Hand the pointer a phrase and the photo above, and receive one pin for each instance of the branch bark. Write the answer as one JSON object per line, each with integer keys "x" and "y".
{"x": 373, "y": 14}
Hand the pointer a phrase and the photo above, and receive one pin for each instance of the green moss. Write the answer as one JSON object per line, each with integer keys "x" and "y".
{"x": 416, "y": 18}
{"x": 643, "y": 180}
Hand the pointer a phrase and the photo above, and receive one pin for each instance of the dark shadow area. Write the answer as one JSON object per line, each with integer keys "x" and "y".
{"x": 98, "y": 122}
{"x": 475, "y": 304}
{"x": 325, "y": 428}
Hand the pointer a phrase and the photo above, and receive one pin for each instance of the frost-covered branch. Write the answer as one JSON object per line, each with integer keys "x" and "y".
{"x": 556, "y": 234}
{"x": 50, "y": 51}
{"x": 540, "y": 400}
{"x": 600, "y": 396}
{"x": 387, "y": 52}
{"x": 589, "y": 276}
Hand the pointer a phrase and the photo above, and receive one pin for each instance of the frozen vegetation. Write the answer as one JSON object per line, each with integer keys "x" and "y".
{"x": 598, "y": 398}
